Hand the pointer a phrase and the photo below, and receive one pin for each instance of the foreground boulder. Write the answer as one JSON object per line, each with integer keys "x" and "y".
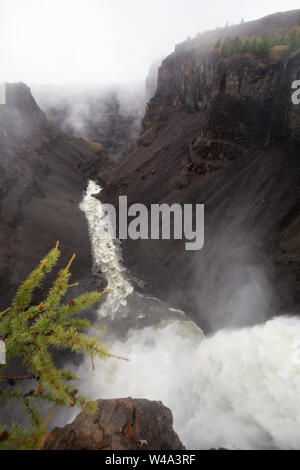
{"x": 121, "y": 424}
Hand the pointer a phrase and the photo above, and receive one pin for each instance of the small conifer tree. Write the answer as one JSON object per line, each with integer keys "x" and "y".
{"x": 31, "y": 333}
{"x": 260, "y": 47}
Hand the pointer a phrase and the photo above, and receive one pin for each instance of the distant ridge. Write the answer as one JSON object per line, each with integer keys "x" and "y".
{"x": 274, "y": 24}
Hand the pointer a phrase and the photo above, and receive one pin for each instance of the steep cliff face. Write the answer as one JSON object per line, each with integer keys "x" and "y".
{"x": 42, "y": 179}
{"x": 223, "y": 132}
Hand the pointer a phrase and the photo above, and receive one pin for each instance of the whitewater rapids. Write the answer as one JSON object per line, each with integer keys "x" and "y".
{"x": 238, "y": 389}
{"x": 106, "y": 254}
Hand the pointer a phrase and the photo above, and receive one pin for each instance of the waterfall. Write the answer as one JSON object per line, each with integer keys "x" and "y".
{"x": 238, "y": 389}
{"x": 106, "y": 254}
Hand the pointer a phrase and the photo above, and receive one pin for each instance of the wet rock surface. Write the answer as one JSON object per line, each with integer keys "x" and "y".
{"x": 121, "y": 424}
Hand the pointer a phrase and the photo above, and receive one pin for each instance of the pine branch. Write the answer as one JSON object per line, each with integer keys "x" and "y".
{"x": 24, "y": 294}
{"x": 29, "y": 331}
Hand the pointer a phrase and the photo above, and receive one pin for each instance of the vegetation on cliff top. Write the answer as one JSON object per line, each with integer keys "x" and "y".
{"x": 31, "y": 334}
{"x": 261, "y": 47}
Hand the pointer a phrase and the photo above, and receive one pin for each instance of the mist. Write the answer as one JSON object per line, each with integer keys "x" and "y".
{"x": 237, "y": 389}
{"x": 232, "y": 281}
{"x": 106, "y": 42}
{"x": 110, "y": 116}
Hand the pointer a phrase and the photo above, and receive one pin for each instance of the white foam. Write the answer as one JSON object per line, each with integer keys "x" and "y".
{"x": 238, "y": 389}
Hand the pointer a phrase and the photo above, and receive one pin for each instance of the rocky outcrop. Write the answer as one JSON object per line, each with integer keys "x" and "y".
{"x": 122, "y": 424}
{"x": 223, "y": 132}
{"x": 43, "y": 175}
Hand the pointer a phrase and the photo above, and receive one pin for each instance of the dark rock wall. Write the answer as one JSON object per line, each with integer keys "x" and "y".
{"x": 222, "y": 132}
{"x": 40, "y": 189}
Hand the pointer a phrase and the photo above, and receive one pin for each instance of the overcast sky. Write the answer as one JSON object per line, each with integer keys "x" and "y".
{"x": 106, "y": 41}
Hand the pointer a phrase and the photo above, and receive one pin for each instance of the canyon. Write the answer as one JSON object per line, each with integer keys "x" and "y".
{"x": 220, "y": 131}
